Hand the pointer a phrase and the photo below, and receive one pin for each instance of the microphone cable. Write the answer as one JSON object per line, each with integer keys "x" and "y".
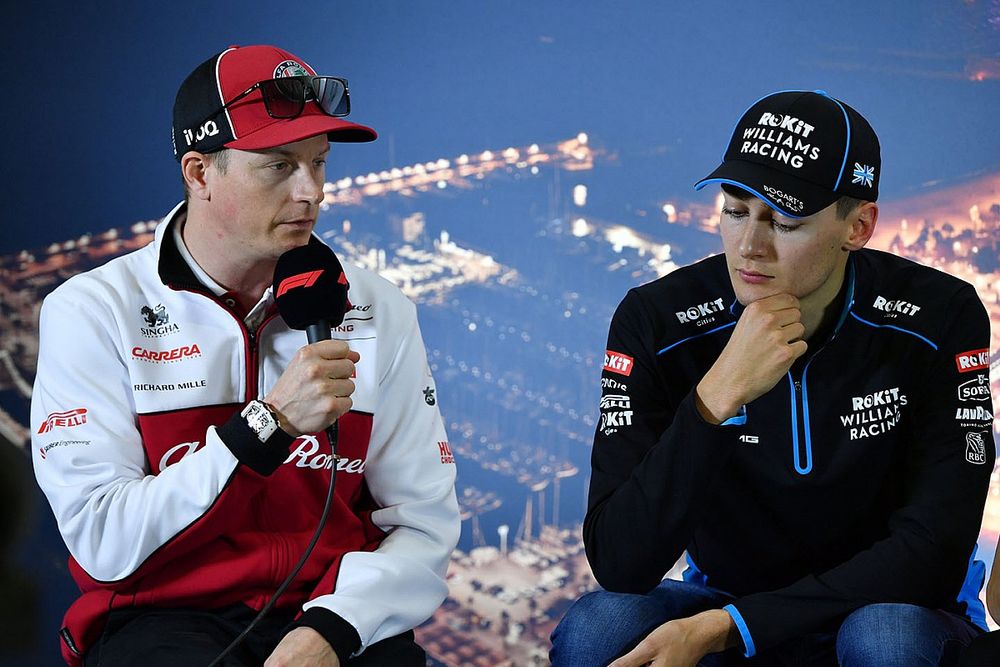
{"x": 332, "y": 433}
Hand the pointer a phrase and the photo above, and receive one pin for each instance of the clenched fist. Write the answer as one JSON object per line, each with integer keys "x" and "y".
{"x": 765, "y": 343}
{"x": 315, "y": 389}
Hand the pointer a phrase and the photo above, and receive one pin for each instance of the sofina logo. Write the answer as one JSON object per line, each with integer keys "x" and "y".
{"x": 290, "y": 68}
{"x": 976, "y": 389}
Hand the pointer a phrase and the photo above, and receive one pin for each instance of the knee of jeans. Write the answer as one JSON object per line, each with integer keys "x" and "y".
{"x": 596, "y": 612}
{"x": 880, "y": 635}
{"x": 587, "y": 613}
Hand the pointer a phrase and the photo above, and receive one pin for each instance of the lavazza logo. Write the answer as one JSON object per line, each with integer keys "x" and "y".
{"x": 875, "y": 413}
{"x": 158, "y": 322}
{"x": 616, "y": 413}
{"x": 700, "y": 313}
{"x": 305, "y": 455}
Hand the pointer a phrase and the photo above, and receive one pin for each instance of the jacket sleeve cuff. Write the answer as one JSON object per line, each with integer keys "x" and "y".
{"x": 341, "y": 635}
{"x": 749, "y": 650}
{"x": 263, "y": 458}
{"x": 739, "y": 419}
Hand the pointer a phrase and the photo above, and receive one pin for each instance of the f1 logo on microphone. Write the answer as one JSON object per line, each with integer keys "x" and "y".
{"x": 307, "y": 279}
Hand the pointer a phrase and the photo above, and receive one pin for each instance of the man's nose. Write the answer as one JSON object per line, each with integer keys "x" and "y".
{"x": 754, "y": 240}
{"x": 309, "y": 186}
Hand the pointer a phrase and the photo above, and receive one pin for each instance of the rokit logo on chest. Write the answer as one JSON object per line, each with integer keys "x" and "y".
{"x": 701, "y": 313}
{"x": 875, "y": 413}
{"x": 895, "y": 307}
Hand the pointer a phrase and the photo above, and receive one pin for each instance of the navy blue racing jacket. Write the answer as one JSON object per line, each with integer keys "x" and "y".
{"x": 859, "y": 478}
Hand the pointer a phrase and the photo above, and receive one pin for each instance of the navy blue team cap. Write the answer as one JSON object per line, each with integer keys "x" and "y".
{"x": 800, "y": 151}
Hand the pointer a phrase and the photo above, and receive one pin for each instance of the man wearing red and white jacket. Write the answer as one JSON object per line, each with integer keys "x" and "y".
{"x": 178, "y": 423}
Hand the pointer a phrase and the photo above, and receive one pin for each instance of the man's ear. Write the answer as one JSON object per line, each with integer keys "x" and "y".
{"x": 194, "y": 165}
{"x": 862, "y": 220}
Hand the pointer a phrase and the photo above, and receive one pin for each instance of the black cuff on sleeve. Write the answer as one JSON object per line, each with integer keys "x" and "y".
{"x": 262, "y": 458}
{"x": 340, "y": 634}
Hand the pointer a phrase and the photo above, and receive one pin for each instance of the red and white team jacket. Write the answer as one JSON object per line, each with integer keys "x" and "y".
{"x": 165, "y": 498}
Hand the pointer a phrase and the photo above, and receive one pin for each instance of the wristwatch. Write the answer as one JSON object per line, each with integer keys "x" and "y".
{"x": 261, "y": 418}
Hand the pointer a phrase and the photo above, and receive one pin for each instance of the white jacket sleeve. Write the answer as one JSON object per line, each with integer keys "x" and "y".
{"x": 87, "y": 450}
{"x": 411, "y": 475}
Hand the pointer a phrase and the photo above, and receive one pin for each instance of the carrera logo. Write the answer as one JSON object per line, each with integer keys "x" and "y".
{"x": 701, "y": 310}
{"x": 166, "y": 356}
{"x": 976, "y": 389}
{"x": 616, "y": 362}
{"x": 307, "y": 279}
{"x": 973, "y": 360}
{"x": 67, "y": 419}
{"x": 446, "y": 455}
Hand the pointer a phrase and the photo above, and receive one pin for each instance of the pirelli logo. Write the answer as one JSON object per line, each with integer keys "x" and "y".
{"x": 66, "y": 419}
{"x": 616, "y": 362}
{"x": 973, "y": 360}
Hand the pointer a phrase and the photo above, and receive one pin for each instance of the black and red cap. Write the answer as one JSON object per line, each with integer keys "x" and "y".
{"x": 800, "y": 151}
{"x": 246, "y": 124}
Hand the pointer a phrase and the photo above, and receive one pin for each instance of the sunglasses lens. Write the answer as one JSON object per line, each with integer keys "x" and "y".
{"x": 331, "y": 94}
{"x": 284, "y": 97}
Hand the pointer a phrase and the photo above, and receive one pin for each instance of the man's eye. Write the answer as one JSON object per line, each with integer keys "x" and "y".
{"x": 783, "y": 228}
{"x": 278, "y": 166}
{"x": 733, "y": 213}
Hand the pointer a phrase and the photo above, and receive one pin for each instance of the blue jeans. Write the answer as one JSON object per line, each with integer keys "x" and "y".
{"x": 602, "y": 626}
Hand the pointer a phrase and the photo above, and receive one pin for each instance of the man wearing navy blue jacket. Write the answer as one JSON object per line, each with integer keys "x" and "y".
{"x": 809, "y": 420}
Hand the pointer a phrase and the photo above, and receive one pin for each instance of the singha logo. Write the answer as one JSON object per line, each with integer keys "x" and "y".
{"x": 155, "y": 317}
{"x": 429, "y": 396}
{"x": 158, "y": 322}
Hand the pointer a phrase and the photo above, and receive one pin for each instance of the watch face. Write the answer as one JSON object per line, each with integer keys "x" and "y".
{"x": 260, "y": 420}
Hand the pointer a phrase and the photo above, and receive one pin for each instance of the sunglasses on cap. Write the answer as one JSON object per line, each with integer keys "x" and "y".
{"x": 286, "y": 97}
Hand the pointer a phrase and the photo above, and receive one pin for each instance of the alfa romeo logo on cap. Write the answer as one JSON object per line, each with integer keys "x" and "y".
{"x": 289, "y": 68}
